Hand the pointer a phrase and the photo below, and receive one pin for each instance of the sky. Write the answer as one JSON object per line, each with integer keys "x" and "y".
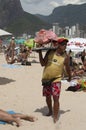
{"x": 45, "y": 7}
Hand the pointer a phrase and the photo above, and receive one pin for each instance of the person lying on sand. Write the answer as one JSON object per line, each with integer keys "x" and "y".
{"x": 15, "y": 118}
{"x": 80, "y": 69}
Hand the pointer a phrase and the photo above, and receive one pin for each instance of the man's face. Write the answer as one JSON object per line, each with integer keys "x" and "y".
{"x": 62, "y": 46}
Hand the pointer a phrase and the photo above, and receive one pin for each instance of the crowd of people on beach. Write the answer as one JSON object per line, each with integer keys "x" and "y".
{"x": 78, "y": 64}
{"x": 57, "y": 65}
{"x": 17, "y": 54}
{"x": 78, "y": 71}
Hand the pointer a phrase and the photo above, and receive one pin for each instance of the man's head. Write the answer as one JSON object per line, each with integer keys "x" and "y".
{"x": 62, "y": 43}
{"x": 13, "y": 38}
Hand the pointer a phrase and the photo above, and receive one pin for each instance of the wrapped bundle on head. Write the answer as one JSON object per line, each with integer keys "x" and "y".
{"x": 45, "y": 37}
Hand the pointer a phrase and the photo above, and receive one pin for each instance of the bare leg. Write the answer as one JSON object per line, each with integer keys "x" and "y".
{"x": 49, "y": 104}
{"x": 7, "y": 58}
{"x": 4, "y": 116}
{"x": 55, "y": 108}
{"x": 25, "y": 117}
{"x": 12, "y": 55}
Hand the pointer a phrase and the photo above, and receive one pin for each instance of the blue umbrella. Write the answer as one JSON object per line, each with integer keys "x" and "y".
{"x": 20, "y": 41}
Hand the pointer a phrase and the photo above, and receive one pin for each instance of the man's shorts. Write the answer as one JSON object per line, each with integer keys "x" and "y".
{"x": 53, "y": 90}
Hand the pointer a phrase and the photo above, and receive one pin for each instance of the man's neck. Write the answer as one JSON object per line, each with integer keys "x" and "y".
{"x": 59, "y": 52}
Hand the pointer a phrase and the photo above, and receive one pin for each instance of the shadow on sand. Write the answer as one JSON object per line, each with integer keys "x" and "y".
{"x": 4, "y": 80}
{"x": 44, "y": 111}
{"x": 34, "y": 61}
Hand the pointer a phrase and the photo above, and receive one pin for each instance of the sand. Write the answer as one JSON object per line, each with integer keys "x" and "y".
{"x": 21, "y": 91}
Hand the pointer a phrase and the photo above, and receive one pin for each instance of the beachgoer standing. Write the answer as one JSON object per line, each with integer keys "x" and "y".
{"x": 11, "y": 51}
{"x": 54, "y": 62}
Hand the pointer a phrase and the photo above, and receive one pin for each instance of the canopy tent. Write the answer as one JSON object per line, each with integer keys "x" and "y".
{"x": 76, "y": 44}
{"x": 5, "y": 33}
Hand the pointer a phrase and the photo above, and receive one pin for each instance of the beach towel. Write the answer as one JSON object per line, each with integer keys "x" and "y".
{"x": 10, "y": 112}
{"x": 10, "y": 66}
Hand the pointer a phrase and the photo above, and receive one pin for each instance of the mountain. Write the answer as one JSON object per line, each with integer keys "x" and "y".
{"x": 68, "y": 15}
{"x": 15, "y": 20}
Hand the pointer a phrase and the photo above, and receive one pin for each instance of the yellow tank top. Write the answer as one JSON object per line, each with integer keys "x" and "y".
{"x": 54, "y": 67}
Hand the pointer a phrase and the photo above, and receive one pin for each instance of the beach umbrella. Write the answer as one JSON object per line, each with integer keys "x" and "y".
{"x": 76, "y": 44}
{"x": 17, "y": 41}
{"x": 30, "y": 43}
{"x": 77, "y": 41}
{"x": 20, "y": 41}
{"x": 75, "y": 48}
{"x": 4, "y": 33}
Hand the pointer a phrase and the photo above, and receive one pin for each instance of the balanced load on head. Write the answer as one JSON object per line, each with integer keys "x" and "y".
{"x": 44, "y": 37}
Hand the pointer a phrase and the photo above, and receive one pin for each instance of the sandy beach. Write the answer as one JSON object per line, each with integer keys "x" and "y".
{"x": 21, "y": 91}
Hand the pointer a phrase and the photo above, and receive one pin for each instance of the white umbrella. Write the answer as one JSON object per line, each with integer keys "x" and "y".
{"x": 76, "y": 44}
{"x": 4, "y": 33}
{"x": 75, "y": 48}
{"x": 78, "y": 39}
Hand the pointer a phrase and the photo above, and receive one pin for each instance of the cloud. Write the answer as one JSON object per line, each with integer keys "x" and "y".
{"x": 31, "y": 1}
{"x": 45, "y": 7}
{"x": 54, "y": 4}
{"x": 74, "y": 2}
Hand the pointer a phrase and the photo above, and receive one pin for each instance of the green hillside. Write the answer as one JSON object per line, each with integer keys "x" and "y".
{"x": 27, "y": 24}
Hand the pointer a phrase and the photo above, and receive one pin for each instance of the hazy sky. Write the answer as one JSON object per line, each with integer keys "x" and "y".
{"x": 45, "y": 7}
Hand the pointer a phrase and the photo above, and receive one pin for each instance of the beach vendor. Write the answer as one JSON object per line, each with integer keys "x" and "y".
{"x": 53, "y": 63}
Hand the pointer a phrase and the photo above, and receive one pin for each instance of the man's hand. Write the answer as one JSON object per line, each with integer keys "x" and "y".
{"x": 69, "y": 79}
